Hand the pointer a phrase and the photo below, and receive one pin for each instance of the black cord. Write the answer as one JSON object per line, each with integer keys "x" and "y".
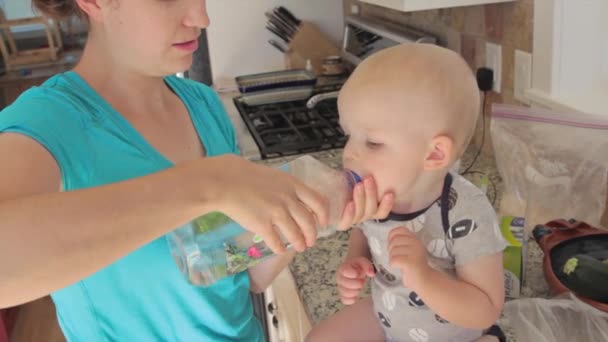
{"x": 478, "y": 153}
{"x": 483, "y": 133}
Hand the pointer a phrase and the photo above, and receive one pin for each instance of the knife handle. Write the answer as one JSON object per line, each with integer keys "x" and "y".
{"x": 289, "y": 15}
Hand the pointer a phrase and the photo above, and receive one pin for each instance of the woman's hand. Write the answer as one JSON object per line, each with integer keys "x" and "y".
{"x": 365, "y": 204}
{"x": 265, "y": 201}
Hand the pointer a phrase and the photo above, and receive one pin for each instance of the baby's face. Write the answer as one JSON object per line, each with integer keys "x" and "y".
{"x": 382, "y": 141}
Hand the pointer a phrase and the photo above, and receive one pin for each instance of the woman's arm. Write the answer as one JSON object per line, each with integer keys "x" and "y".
{"x": 51, "y": 239}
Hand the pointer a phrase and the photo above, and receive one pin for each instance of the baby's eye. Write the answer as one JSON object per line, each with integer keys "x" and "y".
{"x": 373, "y": 145}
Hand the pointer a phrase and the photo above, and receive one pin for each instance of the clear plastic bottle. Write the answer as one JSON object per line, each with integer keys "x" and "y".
{"x": 213, "y": 246}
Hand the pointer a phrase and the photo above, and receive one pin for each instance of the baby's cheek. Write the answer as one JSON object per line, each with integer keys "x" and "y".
{"x": 386, "y": 184}
{"x": 386, "y": 176}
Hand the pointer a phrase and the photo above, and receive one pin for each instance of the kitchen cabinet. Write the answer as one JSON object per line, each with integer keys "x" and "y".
{"x": 420, "y": 5}
{"x": 287, "y": 317}
{"x": 7, "y": 322}
{"x": 34, "y": 321}
{"x": 3, "y": 329}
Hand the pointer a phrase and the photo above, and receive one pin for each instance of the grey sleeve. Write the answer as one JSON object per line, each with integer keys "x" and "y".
{"x": 474, "y": 231}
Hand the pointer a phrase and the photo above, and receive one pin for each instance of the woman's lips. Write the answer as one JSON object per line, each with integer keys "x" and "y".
{"x": 189, "y": 46}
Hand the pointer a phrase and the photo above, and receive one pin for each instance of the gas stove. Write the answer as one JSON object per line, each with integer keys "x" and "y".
{"x": 289, "y": 128}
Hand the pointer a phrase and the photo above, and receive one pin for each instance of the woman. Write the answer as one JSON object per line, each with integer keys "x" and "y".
{"x": 100, "y": 162}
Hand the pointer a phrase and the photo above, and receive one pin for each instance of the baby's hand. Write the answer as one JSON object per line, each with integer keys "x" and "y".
{"x": 365, "y": 204}
{"x": 408, "y": 254}
{"x": 351, "y": 278}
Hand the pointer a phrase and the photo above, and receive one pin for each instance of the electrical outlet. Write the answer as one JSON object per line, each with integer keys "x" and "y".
{"x": 354, "y": 9}
{"x": 494, "y": 62}
{"x": 522, "y": 79}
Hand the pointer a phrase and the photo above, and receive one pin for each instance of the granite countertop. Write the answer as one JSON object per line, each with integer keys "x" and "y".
{"x": 314, "y": 270}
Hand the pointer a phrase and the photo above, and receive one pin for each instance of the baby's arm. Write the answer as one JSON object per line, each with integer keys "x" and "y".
{"x": 357, "y": 245}
{"x": 351, "y": 278}
{"x": 355, "y": 269}
{"x": 473, "y": 300}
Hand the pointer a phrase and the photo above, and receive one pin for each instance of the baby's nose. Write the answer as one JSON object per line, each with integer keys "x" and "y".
{"x": 352, "y": 152}
{"x": 349, "y": 162}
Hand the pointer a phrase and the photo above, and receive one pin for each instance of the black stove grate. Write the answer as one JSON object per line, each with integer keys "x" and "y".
{"x": 289, "y": 128}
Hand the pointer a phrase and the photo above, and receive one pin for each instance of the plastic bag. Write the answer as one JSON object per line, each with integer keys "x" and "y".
{"x": 556, "y": 320}
{"x": 554, "y": 165}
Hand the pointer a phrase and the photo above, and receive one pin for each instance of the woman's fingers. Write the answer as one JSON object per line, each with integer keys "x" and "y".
{"x": 290, "y": 230}
{"x": 317, "y": 203}
{"x": 305, "y": 219}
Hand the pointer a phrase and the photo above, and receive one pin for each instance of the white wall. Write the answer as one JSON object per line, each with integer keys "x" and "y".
{"x": 238, "y": 40}
{"x": 570, "y": 62}
{"x": 15, "y": 9}
{"x": 583, "y": 45}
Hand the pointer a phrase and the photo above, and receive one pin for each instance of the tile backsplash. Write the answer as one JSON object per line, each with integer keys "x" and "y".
{"x": 466, "y": 30}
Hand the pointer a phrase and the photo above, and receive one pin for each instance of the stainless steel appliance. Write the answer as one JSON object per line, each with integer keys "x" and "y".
{"x": 290, "y": 127}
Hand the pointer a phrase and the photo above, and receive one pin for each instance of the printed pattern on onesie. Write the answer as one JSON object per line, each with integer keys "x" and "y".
{"x": 458, "y": 228}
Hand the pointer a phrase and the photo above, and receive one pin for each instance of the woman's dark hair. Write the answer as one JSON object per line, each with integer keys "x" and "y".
{"x": 59, "y": 9}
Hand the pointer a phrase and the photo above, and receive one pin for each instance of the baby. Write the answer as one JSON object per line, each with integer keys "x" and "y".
{"x": 436, "y": 261}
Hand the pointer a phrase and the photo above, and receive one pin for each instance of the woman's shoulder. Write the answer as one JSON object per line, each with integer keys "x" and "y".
{"x": 56, "y": 101}
{"x": 196, "y": 93}
{"x": 191, "y": 88}
{"x": 59, "y": 92}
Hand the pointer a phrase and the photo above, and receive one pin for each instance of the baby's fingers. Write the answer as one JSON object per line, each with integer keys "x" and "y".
{"x": 348, "y": 300}
{"x": 351, "y": 284}
{"x": 350, "y": 271}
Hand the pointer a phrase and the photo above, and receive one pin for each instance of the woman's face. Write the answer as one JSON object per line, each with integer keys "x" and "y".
{"x": 154, "y": 37}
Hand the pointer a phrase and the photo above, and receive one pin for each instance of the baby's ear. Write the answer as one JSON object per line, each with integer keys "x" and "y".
{"x": 440, "y": 153}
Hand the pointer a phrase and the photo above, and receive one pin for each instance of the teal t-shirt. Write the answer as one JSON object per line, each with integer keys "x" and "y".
{"x": 143, "y": 296}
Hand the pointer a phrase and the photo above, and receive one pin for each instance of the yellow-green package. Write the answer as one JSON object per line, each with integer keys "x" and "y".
{"x": 512, "y": 229}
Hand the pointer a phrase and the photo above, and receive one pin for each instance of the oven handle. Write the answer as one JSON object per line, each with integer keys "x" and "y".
{"x": 313, "y": 101}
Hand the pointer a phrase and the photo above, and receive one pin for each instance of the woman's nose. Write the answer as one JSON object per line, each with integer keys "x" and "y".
{"x": 197, "y": 15}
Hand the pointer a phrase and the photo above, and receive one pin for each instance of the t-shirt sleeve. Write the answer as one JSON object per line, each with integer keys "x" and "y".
{"x": 474, "y": 231}
{"x": 51, "y": 122}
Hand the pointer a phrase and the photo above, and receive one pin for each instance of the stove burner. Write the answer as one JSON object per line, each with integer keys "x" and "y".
{"x": 289, "y": 128}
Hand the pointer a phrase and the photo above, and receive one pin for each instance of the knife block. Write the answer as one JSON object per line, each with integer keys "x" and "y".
{"x": 309, "y": 43}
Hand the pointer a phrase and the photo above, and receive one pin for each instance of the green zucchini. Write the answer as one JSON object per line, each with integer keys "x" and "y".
{"x": 587, "y": 277}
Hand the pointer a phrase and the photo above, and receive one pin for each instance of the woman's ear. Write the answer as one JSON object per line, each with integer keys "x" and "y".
{"x": 92, "y": 8}
{"x": 440, "y": 153}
